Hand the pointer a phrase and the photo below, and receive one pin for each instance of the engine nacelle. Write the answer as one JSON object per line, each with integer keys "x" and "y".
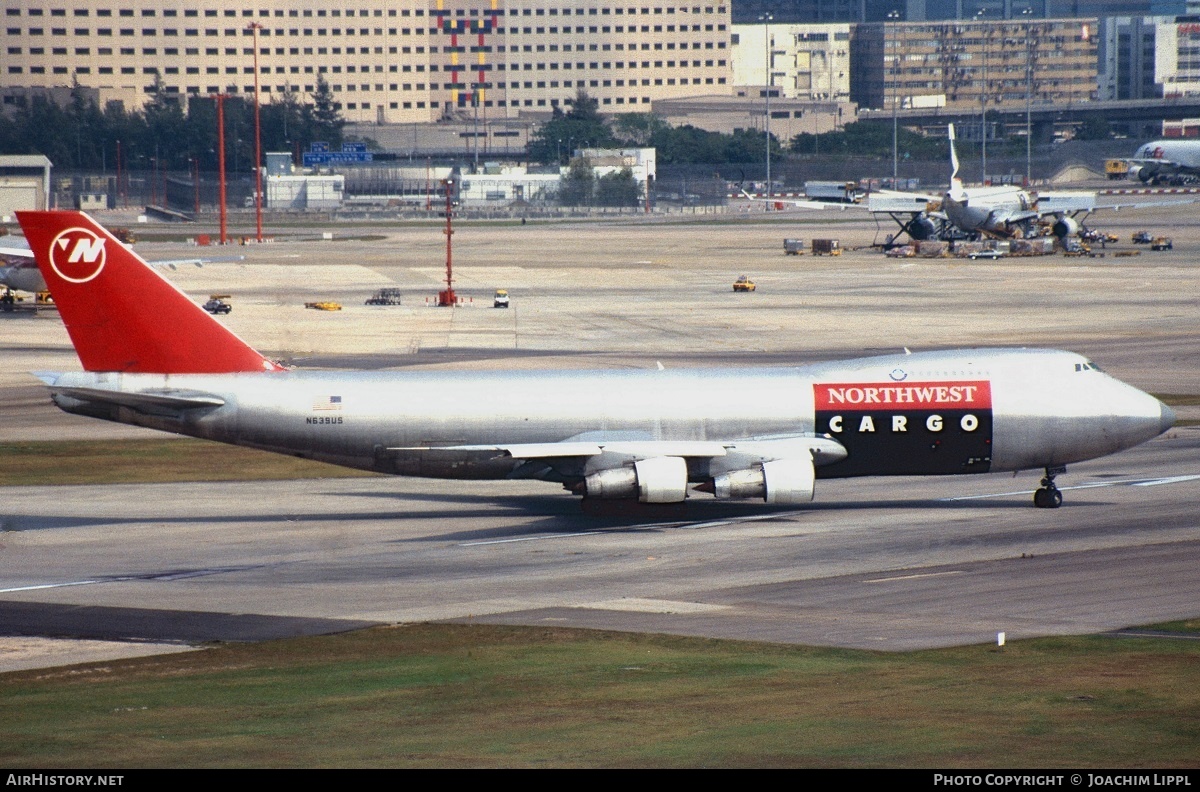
{"x": 777, "y": 481}
{"x": 655, "y": 480}
{"x": 921, "y": 228}
{"x": 1144, "y": 173}
{"x": 1065, "y": 227}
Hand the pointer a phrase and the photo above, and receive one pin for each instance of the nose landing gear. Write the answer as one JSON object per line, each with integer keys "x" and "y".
{"x": 1049, "y": 496}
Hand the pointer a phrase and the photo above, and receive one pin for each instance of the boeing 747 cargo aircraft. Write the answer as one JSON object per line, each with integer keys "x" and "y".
{"x": 152, "y": 357}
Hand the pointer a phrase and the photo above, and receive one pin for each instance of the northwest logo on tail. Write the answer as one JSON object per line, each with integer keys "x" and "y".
{"x": 78, "y": 255}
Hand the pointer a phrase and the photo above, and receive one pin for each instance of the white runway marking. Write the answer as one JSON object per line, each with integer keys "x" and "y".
{"x": 178, "y": 574}
{"x": 1169, "y": 480}
{"x": 528, "y": 538}
{"x": 41, "y": 586}
{"x": 1090, "y": 485}
{"x": 914, "y": 577}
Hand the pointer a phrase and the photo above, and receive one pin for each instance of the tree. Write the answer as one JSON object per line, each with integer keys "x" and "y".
{"x": 327, "y": 121}
{"x": 576, "y": 186}
{"x": 618, "y": 188}
{"x": 1094, "y": 128}
{"x": 871, "y": 139}
{"x": 639, "y": 129}
{"x": 580, "y": 127}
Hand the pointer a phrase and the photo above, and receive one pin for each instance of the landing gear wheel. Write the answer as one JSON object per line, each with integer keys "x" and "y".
{"x": 1046, "y": 498}
{"x": 1049, "y": 496}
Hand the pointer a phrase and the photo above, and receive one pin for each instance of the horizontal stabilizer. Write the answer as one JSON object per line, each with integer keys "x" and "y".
{"x": 142, "y": 401}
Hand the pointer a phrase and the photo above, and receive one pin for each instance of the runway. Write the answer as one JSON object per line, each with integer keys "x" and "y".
{"x": 891, "y": 564}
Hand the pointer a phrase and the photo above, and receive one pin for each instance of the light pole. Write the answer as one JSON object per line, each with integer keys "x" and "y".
{"x": 766, "y": 20}
{"x": 254, "y": 27}
{"x": 222, "y": 212}
{"x": 893, "y": 16}
{"x": 1027, "y": 12}
{"x": 983, "y": 96}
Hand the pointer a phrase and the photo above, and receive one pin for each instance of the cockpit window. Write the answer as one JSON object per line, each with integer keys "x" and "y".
{"x": 1089, "y": 366}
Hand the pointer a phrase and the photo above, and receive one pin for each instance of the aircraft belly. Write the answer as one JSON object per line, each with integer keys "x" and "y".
{"x": 26, "y": 279}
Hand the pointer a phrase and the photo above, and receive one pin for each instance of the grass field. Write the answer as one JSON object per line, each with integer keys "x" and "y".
{"x": 481, "y": 696}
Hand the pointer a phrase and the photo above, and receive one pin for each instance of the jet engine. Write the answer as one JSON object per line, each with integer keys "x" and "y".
{"x": 655, "y": 480}
{"x": 777, "y": 481}
{"x": 921, "y": 228}
{"x": 1065, "y": 227}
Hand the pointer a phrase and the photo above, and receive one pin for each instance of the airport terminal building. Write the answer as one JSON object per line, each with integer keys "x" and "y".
{"x": 385, "y": 61}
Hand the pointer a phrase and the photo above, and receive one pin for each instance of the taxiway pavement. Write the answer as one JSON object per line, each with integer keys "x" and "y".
{"x": 880, "y": 563}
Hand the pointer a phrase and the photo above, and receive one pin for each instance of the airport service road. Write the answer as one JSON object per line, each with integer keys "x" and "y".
{"x": 876, "y": 563}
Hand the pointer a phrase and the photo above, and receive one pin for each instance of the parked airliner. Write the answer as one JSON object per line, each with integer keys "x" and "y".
{"x": 1167, "y": 161}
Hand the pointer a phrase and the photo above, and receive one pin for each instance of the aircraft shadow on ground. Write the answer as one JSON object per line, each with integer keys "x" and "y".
{"x": 536, "y": 514}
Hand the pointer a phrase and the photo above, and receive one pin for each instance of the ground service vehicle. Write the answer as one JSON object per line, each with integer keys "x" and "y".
{"x": 743, "y": 284}
{"x": 1162, "y": 243}
{"x": 217, "y": 306}
{"x": 385, "y": 297}
{"x": 826, "y": 247}
{"x": 1116, "y": 169}
{"x": 986, "y": 254}
{"x": 793, "y": 247}
{"x": 500, "y": 300}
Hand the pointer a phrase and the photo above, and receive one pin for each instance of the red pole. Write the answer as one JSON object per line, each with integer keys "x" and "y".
{"x": 448, "y": 297}
{"x": 255, "y": 27}
{"x": 120, "y": 191}
{"x": 221, "y": 166}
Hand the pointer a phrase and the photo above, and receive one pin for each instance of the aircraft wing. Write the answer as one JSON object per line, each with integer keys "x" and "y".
{"x": 889, "y": 201}
{"x": 1145, "y": 204}
{"x": 818, "y": 449}
{"x": 1057, "y": 203}
{"x": 881, "y": 202}
{"x": 803, "y": 203}
{"x": 1060, "y": 203}
{"x": 26, "y": 253}
{"x": 779, "y": 469}
{"x": 16, "y": 252}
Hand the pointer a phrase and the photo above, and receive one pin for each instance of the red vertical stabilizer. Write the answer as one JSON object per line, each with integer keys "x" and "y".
{"x": 120, "y": 313}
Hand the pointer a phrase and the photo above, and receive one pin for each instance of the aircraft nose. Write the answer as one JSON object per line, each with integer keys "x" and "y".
{"x": 1166, "y": 417}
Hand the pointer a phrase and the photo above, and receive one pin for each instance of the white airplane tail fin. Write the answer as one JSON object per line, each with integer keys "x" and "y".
{"x": 956, "y": 185}
{"x": 121, "y": 314}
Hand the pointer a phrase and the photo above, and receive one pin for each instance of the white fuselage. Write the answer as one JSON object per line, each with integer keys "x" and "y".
{"x": 962, "y": 411}
{"x": 989, "y": 210}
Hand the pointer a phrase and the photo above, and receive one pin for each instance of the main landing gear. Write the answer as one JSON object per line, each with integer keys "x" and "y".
{"x": 1049, "y": 496}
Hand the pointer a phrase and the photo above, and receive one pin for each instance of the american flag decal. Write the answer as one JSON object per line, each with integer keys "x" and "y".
{"x": 327, "y": 403}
